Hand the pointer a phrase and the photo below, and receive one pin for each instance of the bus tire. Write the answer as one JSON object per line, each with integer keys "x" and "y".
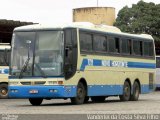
{"x": 35, "y": 101}
{"x": 3, "y": 91}
{"x": 136, "y": 92}
{"x": 98, "y": 98}
{"x": 126, "y": 92}
{"x": 80, "y": 94}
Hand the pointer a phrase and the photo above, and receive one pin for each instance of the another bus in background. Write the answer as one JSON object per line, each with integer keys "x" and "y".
{"x": 4, "y": 68}
{"x": 158, "y": 72}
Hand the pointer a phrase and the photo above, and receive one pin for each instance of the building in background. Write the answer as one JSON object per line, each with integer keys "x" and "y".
{"x": 95, "y": 15}
{"x": 6, "y": 29}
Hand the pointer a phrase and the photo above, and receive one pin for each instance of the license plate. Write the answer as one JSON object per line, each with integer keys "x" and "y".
{"x": 33, "y": 91}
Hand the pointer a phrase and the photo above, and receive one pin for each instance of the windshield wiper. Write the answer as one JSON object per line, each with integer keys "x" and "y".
{"x": 24, "y": 67}
{"x": 27, "y": 61}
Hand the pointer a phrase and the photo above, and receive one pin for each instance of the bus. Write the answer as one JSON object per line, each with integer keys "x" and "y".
{"x": 80, "y": 61}
{"x": 4, "y": 69}
{"x": 157, "y": 72}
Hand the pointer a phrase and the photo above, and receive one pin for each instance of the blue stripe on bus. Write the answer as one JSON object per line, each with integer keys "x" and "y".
{"x": 42, "y": 91}
{"x": 111, "y": 63}
{"x": 67, "y": 91}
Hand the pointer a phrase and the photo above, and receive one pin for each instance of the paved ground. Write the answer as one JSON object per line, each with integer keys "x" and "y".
{"x": 147, "y": 104}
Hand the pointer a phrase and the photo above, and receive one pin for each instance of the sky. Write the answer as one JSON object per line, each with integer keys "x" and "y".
{"x": 54, "y": 11}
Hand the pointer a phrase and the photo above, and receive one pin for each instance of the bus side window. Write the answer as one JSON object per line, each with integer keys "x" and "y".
{"x": 126, "y": 46}
{"x": 137, "y": 47}
{"x": 148, "y": 49}
{"x": 99, "y": 43}
{"x": 114, "y": 45}
{"x": 111, "y": 42}
{"x": 85, "y": 42}
{"x": 117, "y": 45}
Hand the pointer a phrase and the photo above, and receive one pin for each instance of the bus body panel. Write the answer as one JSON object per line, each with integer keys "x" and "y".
{"x": 4, "y": 70}
{"x": 42, "y": 91}
{"x": 104, "y": 74}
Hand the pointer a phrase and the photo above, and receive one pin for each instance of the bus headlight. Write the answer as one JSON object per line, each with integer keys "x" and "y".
{"x": 14, "y": 90}
{"x": 60, "y": 82}
{"x": 55, "y": 82}
{"x": 53, "y": 91}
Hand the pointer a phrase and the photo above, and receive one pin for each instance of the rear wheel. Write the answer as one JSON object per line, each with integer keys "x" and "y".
{"x": 98, "y": 98}
{"x": 136, "y": 91}
{"x": 81, "y": 94}
{"x": 35, "y": 101}
{"x": 126, "y": 92}
{"x": 3, "y": 90}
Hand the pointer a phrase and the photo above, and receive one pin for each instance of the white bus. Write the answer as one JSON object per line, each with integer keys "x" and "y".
{"x": 158, "y": 72}
{"x": 80, "y": 61}
{"x": 4, "y": 69}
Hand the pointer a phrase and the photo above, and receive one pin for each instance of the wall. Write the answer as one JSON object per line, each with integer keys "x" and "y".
{"x": 96, "y": 15}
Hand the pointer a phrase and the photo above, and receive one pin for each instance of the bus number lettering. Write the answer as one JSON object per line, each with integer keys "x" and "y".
{"x": 106, "y": 63}
{"x": 119, "y": 64}
{"x": 90, "y": 62}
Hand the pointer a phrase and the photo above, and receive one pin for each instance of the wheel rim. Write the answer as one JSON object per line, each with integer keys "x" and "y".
{"x": 80, "y": 93}
{"x": 136, "y": 91}
{"x": 4, "y": 91}
{"x": 127, "y": 91}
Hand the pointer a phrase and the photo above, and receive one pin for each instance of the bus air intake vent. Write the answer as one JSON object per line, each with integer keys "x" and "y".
{"x": 39, "y": 82}
{"x": 26, "y": 83}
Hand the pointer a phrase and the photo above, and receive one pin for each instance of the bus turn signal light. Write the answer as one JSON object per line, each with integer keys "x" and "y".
{"x": 60, "y": 82}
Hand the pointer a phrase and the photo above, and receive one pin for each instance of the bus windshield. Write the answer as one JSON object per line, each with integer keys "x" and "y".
{"x": 38, "y": 54}
{"x": 4, "y": 57}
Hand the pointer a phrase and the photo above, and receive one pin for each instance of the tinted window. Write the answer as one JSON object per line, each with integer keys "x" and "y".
{"x": 111, "y": 42}
{"x": 68, "y": 36}
{"x": 117, "y": 45}
{"x": 99, "y": 43}
{"x": 126, "y": 46}
{"x": 86, "y": 41}
{"x": 148, "y": 48}
{"x": 137, "y": 47}
{"x": 4, "y": 57}
{"x": 114, "y": 45}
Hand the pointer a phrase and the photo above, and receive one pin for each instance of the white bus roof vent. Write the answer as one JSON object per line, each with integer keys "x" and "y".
{"x": 108, "y": 28}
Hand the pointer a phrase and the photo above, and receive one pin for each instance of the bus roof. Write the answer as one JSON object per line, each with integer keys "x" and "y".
{"x": 82, "y": 25}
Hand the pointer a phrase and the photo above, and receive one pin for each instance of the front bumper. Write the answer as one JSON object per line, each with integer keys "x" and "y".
{"x": 42, "y": 91}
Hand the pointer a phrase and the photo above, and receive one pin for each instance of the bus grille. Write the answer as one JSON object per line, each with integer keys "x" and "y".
{"x": 151, "y": 86}
{"x": 26, "y": 83}
{"x": 34, "y": 83}
{"x": 39, "y": 82}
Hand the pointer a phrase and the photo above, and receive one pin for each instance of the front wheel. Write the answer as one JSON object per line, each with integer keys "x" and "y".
{"x": 3, "y": 91}
{"x": 136, "y": 91}
{"x": 81, "y": 93}
{"x": 126, "y": 92}
{"x": 35, "y": 101}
